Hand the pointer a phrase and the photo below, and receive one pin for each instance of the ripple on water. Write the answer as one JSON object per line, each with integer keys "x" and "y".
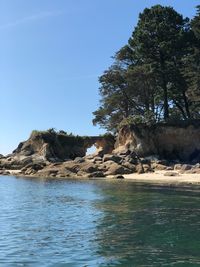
{"x": 96, "y": 223}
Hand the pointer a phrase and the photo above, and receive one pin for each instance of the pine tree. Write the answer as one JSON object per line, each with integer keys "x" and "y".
{"x": 192, "y": 63}
{"x": 154, "y": 76}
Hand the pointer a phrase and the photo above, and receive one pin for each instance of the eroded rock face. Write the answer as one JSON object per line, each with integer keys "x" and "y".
{"x": 167, "y": 141}
{"x": 140, "y": 149}
{"x": 51, "y": 146}
{"x": 54, "y": 146}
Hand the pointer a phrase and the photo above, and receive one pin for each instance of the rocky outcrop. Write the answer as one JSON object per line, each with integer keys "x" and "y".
{"x": 53, "y": 146}
{"x": 180, "y": 141}
{"x": 86, "y": 167}
{"x": 42, "y": 149}
{"x": 137, "y": 149}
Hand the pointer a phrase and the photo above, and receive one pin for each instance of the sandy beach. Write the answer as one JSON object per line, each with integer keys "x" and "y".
{"x": 155, "y": 178}
{"x": 158, "y": 177}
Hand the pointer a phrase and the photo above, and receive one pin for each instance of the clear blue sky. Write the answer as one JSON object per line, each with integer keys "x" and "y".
{"x": 51, "y": 54}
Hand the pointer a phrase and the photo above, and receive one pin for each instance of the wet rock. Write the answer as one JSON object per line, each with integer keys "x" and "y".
{"x": 83, "y": 174}
{"x": 29, "y": 171}
{"x": 4, "y": 172}
{"x": 120, "y": 177}
{"x": 171, "y": 174}
{"x": 62, "y": 175}
{"x": 34, "y": 166}
{"x": 48, "y": 172}
{"x": 97, "y": 174}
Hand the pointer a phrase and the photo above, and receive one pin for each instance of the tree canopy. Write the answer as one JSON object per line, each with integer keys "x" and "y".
{"x": 156, "y": 75}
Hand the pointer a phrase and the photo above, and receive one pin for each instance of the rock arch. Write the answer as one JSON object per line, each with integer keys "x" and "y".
{"x": 103, "y": 144}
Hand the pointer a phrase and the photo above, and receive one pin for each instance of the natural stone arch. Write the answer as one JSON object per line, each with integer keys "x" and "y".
{"x": 53, "y": 146}
{"x": 91, "y": 150}
{"x": 103, "y": 144}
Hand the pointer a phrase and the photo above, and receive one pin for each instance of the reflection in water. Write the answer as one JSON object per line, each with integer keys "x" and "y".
{"x": 96, "y": 223}
{"x": 146, "y": 227}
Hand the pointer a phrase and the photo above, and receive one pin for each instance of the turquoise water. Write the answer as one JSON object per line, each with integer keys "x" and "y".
{"x": 97, "y": 223}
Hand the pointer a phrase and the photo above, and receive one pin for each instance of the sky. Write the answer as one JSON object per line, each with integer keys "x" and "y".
{"x": 51, "y": 55}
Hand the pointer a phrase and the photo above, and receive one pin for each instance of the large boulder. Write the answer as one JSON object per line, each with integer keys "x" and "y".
{"x": 112, "y": 157}
{"x": 89, "y": 167}
{"x": 115, "y": 169}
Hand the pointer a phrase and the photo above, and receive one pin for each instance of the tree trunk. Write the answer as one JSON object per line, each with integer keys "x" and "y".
{"x": 164, "y": 86}
{"x": 166, "y": 106}
{"x": 181, "y": 110}
{"x": 186, "y": 105}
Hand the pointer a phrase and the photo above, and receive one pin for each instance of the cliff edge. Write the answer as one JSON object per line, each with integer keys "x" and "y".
{"x": 136, "y": 149}
{"x": 170, "y": 141}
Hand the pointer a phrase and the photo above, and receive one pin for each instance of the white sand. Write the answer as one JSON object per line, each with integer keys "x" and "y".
{"x": 159, "y": 178}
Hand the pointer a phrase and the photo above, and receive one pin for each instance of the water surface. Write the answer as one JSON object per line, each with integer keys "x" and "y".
{"x": 97, "y": 223}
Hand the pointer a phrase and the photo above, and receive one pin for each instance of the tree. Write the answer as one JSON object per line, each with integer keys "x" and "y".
{"x": 196, "y": 24}
{"x": 158, "y": 41}
{"x": 148, "y": 79}
{"x": 115, "y": 98}
{"x": 125, "y": 93}
{"x": 192, "y": 61}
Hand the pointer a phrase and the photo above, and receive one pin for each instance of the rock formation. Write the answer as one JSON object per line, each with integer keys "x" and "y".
{"x": 58, "y": 146}
{"x": 138, "y": 149}
{"x": 166, "y": 141}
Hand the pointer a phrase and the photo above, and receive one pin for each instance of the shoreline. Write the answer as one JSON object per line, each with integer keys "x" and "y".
{"x": 160, "y": 178}
{"x": 157, "y": 178}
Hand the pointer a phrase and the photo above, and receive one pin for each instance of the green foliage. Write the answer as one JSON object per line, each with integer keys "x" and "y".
{"x": 192, "y": 64}
{"x": 52, "y": 131}
{"x": 60, "y": 138}
{"x": 147, "y": 119}
{"x": 196, "y": 24}
{"x": 149, "y": 81}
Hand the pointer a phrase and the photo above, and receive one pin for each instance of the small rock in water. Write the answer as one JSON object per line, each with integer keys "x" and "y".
{"x": 171, "y": 174}
{"x": 119, "y": 177}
